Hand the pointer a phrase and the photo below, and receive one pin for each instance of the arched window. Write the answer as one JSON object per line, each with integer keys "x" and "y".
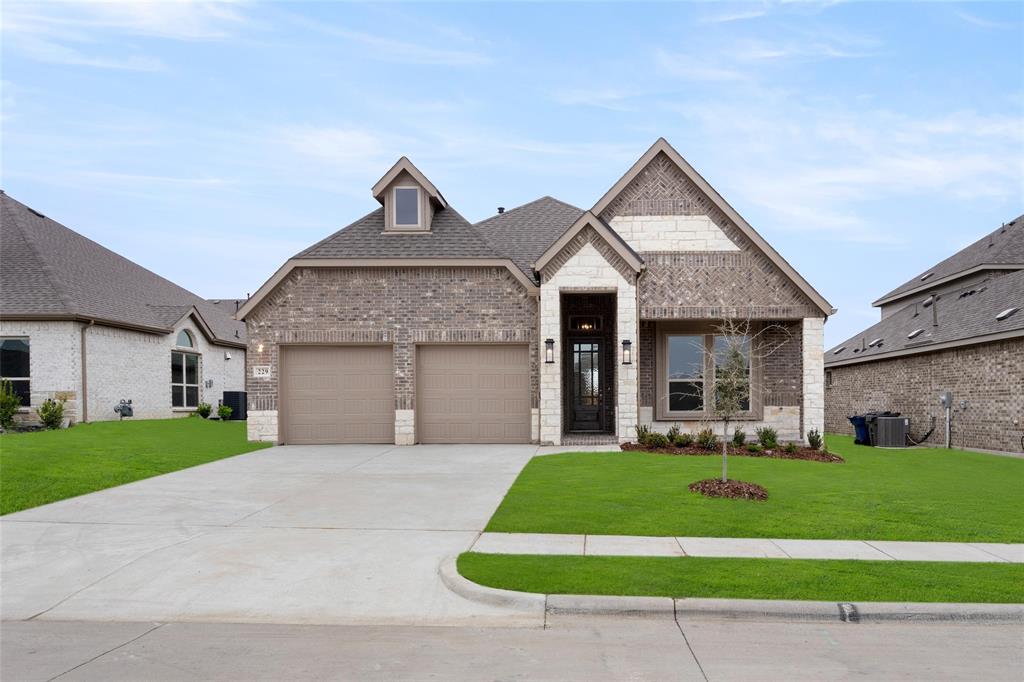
{"x": 184, "y": 339}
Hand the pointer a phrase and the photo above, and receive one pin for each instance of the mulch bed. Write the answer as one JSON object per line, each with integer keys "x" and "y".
{"x": 808, "y": 454}
{"x": 736, "y": 490}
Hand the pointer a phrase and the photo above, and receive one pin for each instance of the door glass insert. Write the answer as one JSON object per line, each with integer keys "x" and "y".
{"x": 587, "y": 375}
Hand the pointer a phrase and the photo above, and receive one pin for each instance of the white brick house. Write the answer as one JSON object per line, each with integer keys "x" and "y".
{"x": 81, "y": 324}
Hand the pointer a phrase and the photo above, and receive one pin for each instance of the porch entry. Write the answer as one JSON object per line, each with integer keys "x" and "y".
{"x": 588, "y": 380}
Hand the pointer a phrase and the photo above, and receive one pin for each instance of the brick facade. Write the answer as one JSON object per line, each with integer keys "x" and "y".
{"x": 399, "y": 306}
{"x": 990, "y": 377}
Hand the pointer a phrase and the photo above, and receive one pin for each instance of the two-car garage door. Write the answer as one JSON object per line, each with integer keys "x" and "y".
{"x": 464, "y": 394}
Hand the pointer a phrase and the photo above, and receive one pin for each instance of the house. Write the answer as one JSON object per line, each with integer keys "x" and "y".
{"x": 956, "y": 327}
{"x": 545, "y": 323}
{"x": 82, "y": 324}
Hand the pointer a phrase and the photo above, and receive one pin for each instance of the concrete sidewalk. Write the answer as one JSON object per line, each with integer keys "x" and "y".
{"x": 629, "y": 545}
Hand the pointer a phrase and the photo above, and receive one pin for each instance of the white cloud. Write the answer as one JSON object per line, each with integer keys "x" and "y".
{"x": 84, "y": 33}
{"x": 693, "y": 67}
{"x": 388, "y": 49}
{"x": 735, "y": 15}
{"x": 981, "y": 22}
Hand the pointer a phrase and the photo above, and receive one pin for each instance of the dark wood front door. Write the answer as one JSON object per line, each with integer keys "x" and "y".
{"x": 586, "y": 381}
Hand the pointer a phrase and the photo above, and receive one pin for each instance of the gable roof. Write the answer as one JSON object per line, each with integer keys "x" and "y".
{"x": 525, "y": 232}
{"x": 963, "y": 318}
{"x": 588, "y": 219}
{"x": 48, "y": 271}
{"x": 404, "y": 164}
{"x": 450, "y": 236}
{"x": 661, "y": 146}
{"x": 1000, "y": 249}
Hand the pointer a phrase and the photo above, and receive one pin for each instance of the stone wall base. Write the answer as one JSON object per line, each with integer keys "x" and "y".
{"x": 262, "y": 425}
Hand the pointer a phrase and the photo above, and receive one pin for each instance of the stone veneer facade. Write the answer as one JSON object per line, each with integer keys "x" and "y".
{"x": 990, "y": 377}
{"x": 401, "y": 306}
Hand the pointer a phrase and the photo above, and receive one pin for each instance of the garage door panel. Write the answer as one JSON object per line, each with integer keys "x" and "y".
{"x": 463, "y": 394}
{"x": 337, "y": 394}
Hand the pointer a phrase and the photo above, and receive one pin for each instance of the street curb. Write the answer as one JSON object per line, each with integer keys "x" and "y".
{"x": 520, "y": 601}
{"x": 729, "y": 609}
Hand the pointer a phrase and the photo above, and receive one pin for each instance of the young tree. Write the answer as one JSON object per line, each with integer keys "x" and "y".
{"x": 738, "y": 345}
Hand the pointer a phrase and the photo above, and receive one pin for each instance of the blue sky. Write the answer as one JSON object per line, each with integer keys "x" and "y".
{"x": 210, "y": 141}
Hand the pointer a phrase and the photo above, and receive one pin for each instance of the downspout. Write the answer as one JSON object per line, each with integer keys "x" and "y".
{"x": 85, "y": 373}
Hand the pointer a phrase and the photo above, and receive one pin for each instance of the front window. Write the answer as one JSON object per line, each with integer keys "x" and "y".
{"x": 732, "y": 372}
{"x": 184, "y": 339}
{"x": 14, "y": 367}
{"x": 407, "y": 207}
{"x": 184, "y": 379}
{"x": 685, "y": 378}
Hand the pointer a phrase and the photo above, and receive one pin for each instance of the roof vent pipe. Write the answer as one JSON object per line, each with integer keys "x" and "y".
{"x": 501, "y": 209}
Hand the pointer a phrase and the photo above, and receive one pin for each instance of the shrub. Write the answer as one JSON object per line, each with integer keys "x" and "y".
{"x": 643, "y": 433}
{"x": 683, "y": 440}
{"x": 814, "y": 439}
{"x": 224, "y": 412}
{"x": 767, "y": 437}
{"x": 739, "y": 437}
{"x": 51, "y": 413}
{"x": 754, "y": 447}
{"x": 673, "y": 433}
{"x": 707, "y": 439}
{"x": 204, "y": 410}
{"x": 657, "y": 440}
{"x": 790, "y": 447}
{"x": 9, "y": 404}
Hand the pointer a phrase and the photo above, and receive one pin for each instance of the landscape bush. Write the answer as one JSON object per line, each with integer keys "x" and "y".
{"x": 657, "y": 440}
{"x": 790, "y": 447}
{"x": 51, "y": 413}
{"x": 224, "y": 412}
{"x": 673, "y": 433}
{"x": 683, "y": 440}
{"x": 643, "y": 433}
{"x": 707, "y": 439}
{"x": 9, "y": 404}
{"x": 767, "y": 437}
{"x": 814, "y": 439}
{"x": 739, "y": 437}
{"x": 204, "y": 410}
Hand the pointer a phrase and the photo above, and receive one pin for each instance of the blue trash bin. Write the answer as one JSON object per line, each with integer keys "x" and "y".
{"x": 860, "y": 429}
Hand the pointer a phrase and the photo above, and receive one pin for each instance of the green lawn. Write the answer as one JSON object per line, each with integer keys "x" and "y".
{"x": 46, "y": 466}
{"x": 919, "y": 494}
{"x": 851, "y": 581}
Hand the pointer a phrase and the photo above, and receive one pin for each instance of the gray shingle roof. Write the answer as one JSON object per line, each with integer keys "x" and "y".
{"x": 47, "y": 269}
{"x": 450, "y": 236}
{"x": 524, "y": 233}
{"x": 1004, "y": 246}
{"x": 961, "y": 316}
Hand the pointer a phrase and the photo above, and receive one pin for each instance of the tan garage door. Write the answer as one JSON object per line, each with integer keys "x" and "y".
{"x": 337, "y": 394}
{"x": 473, "y": 394}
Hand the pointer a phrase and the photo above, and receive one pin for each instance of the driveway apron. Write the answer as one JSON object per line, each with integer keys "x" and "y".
{"x": 341, "y": 534}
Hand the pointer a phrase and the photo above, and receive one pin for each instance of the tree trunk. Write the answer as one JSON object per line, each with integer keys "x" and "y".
{"x": 725, "y": 452}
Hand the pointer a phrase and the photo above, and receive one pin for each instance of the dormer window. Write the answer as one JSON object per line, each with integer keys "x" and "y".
{"x": 406, "y": 203}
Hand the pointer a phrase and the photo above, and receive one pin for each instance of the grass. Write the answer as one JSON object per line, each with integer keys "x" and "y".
{"x": 46, "y": 466}
{"x": 918, "y": 494}
{"x": 910, "y": 581}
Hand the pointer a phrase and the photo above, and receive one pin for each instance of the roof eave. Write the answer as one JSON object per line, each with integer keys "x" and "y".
{"x": 931, "y": 284}
{"x": 590, "y": 219}
{"x": 928, "y": 348}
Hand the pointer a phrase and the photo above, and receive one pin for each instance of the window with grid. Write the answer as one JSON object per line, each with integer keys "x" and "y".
{"x": 14, "y": 367}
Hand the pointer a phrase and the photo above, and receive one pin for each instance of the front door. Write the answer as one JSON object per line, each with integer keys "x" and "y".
{"x": 585, "y": 383}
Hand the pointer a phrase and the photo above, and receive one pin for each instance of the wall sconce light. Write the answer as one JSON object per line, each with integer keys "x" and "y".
{"x": 549, "y": 351}
{"x": 259, "y": 348}
{"x": 627, "y": 352}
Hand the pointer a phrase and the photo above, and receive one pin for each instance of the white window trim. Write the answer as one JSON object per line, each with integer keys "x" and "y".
{"x": 394, "y": 208}
{"x": 28, "y": 342}
{"x": 192, "y": 338}
{"x": 184, "y": 383}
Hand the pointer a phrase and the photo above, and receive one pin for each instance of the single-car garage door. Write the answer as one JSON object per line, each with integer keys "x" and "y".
{"x": 337, "y": 394}
{"x": 473, "y": 394}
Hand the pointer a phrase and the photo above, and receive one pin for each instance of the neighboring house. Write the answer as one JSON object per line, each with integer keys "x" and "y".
{"x": 956, "y": 327}
{"x": 82, "y": 324}
{"x": 544, "y": 323}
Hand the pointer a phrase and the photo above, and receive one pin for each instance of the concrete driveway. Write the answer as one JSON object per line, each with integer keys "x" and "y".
{"x": 294, "y": 534}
